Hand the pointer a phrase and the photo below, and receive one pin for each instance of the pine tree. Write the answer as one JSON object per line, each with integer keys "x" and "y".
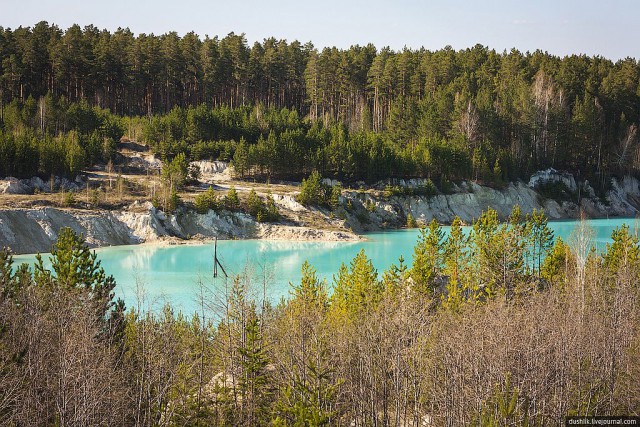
{"x": 254, "y": 204}
{"x": 499, "y": 251}
{"x": 411, "y": 222}
{"x": 623, "y": 254}
{"x": 356, "y": 287}
{"x": 540, "y": 239}
{"x": 8, "y": 283}
{"x": 231, "y": 200}
{"x": 241, "y": 158}
{"x": 255, "y": 382}
{"x": 272, "y": 212}
{"x": 554, "y": 266}
{"x": 336, "y": 193}
{"x": 312, "y": 191}
{"x": 456, "y": 264}
{"x": 206, "y": 201}
{"x": 310, "y": 400}
{"x": 76, "y": 269}
{"x": 427, "y": 259}
{"x": 309, "y": 393}
{"x": 394, "y": 279}
{"x": 311, "y": 292}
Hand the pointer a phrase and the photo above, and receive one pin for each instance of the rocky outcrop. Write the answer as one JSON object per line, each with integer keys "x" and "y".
{"x": 140, "y": 162}
{"x": 624, "y": 197}
{"x": 286, "y": 232}
{"x": 372, "y": 211}
{"x": 470, "y": 205}
{"x": 553, "y": 176}
{"x": 35, "y": 230}
{"x": 212, "y": 171}
{"x": 211, "y": 168}
{"x": 288, "y": 202}
{"x": 11, "y": 185}
{"x": 467, "y": 204}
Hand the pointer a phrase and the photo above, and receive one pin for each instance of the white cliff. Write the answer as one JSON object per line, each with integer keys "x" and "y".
{"x": 35, "y": 230}
{"x": 471, "y": 199}
{"x": 29, "y": 230}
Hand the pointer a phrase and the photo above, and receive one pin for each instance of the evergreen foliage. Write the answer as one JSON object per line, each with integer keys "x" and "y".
{"x": 491, "y": 325}
{"x": 427, "y": 258}
{"x": 411, "y": 222}
{"x": 231, "y": 200}
{"x": 75, "y": 267}
{"x": 207, "y": 201}
{"x": 261, "y": 210}
{"x": 287, "y": 109}
{"x": 312, "y": 191}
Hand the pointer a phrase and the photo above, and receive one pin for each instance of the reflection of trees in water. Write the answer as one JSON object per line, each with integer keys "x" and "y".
{"x": 135, "y": 257}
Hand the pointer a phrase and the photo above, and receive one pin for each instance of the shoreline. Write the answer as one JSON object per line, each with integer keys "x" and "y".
{"x": 173, "y": 241}
{"x": 34, "y": 229}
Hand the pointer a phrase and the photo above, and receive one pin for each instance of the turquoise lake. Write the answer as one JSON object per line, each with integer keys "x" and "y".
{"x": 172, "y": 273}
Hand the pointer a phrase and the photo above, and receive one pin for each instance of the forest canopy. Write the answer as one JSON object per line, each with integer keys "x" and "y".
{"x": 361, "y": 113}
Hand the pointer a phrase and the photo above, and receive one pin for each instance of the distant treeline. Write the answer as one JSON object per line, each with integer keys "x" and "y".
{"x": 483, "y": 114}
{"x": 55, "y": 137}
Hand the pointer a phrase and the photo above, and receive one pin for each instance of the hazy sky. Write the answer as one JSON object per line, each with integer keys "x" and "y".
{"x": 610, "y": 28}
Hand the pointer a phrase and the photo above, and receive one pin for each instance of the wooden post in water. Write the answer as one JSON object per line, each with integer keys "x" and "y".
{"x": 216, "y": 262}
{"x": 215, "y": 258}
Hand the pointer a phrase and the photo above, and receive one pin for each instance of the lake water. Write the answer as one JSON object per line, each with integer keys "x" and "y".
{"x": 172, "y": 273}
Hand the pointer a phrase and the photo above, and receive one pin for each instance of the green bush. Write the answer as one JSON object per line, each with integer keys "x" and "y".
{"x": 447, "y": 187}
{"x": 207, "y": 201}
{"x": 175, "y": 173}
{"x": 334, "y": 199}
{"x": 393, "y": 190}
{"x": 231, "y": 201}
{"x": 68, "y": 199}
{"x": 262, "y": 211}
{"x": 155, "y": 201}
{"x": 254, "y": 204}
{"x": 173, "y": 202}
{"x": 312, "y": 191}
{"x": 411, "y": 222}
{"x": 193, "y": 174}
{"x": 370, "y": 206}
{"x": 428, "y": 189}
{"x": 94, "y": 197}
{"x": 273, "y": 214}
{"x": 363, "y": 217}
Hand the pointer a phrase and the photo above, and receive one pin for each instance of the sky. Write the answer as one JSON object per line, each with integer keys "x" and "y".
{"x": 609, "y": 28}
